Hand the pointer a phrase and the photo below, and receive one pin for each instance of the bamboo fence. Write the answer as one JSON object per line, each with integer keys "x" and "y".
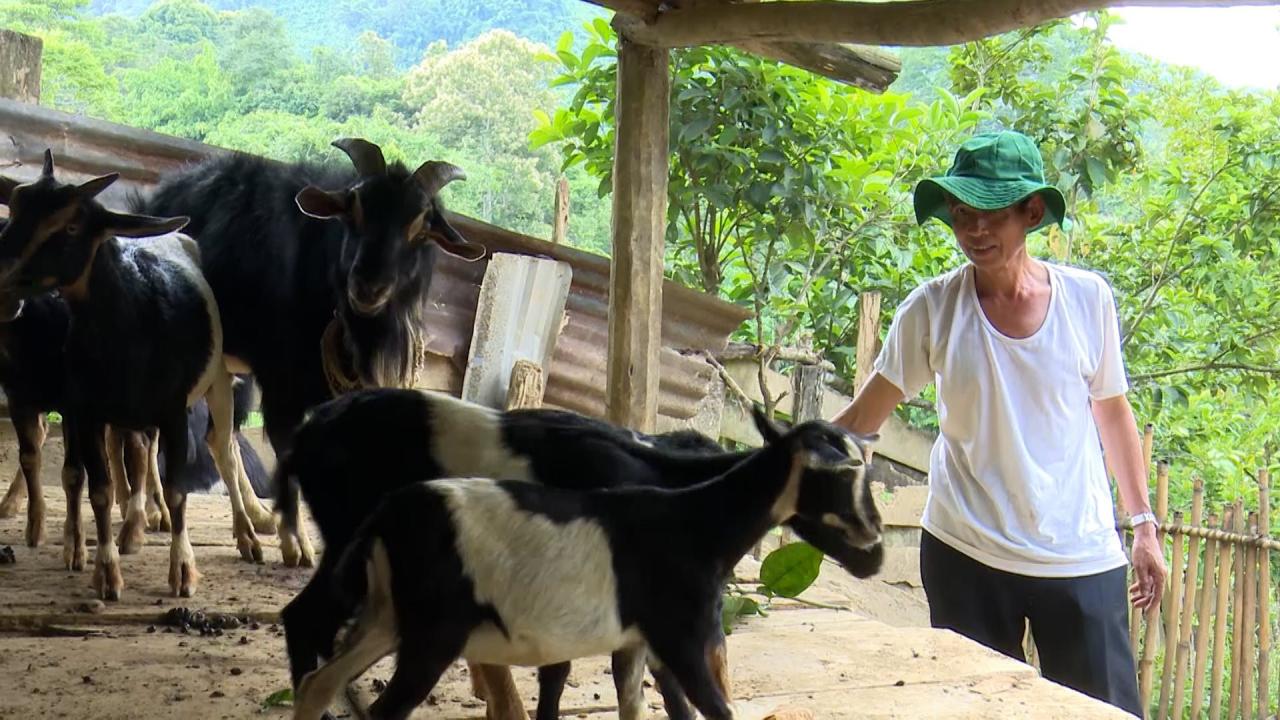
{"x": 1205, "y": 652}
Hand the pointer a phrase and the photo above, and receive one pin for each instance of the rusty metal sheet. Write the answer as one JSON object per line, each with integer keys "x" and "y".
{"x": 84, "y": 147}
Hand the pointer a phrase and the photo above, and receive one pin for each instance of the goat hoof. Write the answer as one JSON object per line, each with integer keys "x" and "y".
{"x": 10, "y": 507}
{"x": 131, "y": 539}
{"x": 35, "y": 532}
{"x": 108, "y": 581}
{"x": 183, "y": 579}
{"x": 73, "y": 556}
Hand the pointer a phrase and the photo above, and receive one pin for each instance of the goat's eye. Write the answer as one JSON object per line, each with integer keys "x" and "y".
{"x": 72, "y": 228}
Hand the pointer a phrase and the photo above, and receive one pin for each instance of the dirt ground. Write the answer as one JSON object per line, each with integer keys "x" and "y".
{"x": 846, "y": 649}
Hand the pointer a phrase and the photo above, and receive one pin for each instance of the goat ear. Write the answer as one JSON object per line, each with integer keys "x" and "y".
{"x": 452, "y": 241}
{"x": 91, "y": 188}
{"x": 6, "y": 189}
{"x": 767, "y": 428}
{"x": 125, "y": 225}
{"x": 321, "y": 204}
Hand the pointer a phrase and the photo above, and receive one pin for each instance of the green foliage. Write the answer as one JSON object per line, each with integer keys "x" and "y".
{"x": 791, "y": 194}
{"x": 227, "y": 74}
{"x": 279, "y": 698}
{"x": 735, "y": 607}
{"x": 790, "y": 569}
{"x": 786, "y": 192}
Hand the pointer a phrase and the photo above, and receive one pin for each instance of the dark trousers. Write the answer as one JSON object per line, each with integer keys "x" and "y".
{"x": 1080, "y": 624}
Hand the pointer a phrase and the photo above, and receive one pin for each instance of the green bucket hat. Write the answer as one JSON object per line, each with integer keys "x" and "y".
{"x": 991, "y": 171}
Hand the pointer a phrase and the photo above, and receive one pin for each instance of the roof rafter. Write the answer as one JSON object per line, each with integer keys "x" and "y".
{"x": 869, "y": 68}
{"x": 900, "y": 23}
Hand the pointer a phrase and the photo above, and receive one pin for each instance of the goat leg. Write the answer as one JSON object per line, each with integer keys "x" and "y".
{"x": 14, "y": 496}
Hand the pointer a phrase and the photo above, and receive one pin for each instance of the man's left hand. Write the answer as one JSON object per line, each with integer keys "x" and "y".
{"x": 1148, "y": 568}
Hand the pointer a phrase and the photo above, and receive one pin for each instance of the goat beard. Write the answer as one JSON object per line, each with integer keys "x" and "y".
{"x": 393, "y": 359}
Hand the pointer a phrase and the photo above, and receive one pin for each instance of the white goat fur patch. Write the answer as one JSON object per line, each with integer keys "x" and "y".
{"x": 552, "y": 584}
{"x": 181, "y": 253}
{"x": 466, "y": 439}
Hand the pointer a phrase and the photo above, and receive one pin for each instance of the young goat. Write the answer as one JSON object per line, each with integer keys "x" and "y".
{"x": 32, "y": 375}
{"x": 144, "y": 344}
{"x": 345, "y": 462}
{"x": 517, "y": 573}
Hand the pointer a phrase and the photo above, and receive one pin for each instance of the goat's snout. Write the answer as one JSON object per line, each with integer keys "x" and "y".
{"x": 369, "y": 298}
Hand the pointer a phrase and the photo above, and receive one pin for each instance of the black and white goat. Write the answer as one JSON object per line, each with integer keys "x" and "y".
{"x": 355, "y": 450}
{"x": 518, "y": 573}
{"x": 144, "y": 344}
{"x": 302, "y": 257}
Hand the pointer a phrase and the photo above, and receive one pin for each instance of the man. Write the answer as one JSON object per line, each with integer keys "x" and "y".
{"x": 1026, "y": 359}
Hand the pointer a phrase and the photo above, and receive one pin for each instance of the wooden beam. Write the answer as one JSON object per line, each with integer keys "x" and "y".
{"x": 901, "y": 23}
{"x": 865, "y": 67}
{"x": 639, "y": 219}
{"x": 20, "y": 66}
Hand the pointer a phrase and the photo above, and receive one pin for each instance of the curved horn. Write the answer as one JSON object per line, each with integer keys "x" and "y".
{"x": 48, "y": 163}
{"x": 435, "y": 174}
{"x": 366, "y": 156}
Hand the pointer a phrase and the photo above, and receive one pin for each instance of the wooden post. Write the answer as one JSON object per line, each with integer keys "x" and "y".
{"x": 868, "y": 336}
{"x": 560, "y": 228}
{"x": 1248, "y": 664}
{"x": 806, "y": 404}
{"x": 1135, "y": 617}
{"x": 1220, "y": 610}
{"x": 1188, "y": 601}
{"x": 1146, "y": 666}
{"x": 20, "y": 66}
{"x": 1238, "y": 620}
{"x": 1204, "y": 626}
{"x": 1171, "y": 621}
{"x": 640, "y": 168}
{"x": 493, "y": 683}
{"x": 527, "y": 386}
{"x": 1264, "y": 595}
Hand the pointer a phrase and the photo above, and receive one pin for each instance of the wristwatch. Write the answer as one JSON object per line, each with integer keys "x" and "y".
{"x": 1144, "y": 517}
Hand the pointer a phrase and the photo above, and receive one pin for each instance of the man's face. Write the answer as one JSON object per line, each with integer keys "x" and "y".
{"x": 990, "y": 238}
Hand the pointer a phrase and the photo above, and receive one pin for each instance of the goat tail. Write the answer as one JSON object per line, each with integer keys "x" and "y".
{"x": 284, "y": 487}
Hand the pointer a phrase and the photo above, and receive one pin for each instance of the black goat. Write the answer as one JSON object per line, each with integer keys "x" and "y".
{"x": 144, "y": 344}
{"x": 350, "y": 272}
{"x": 355, "y": 450}
{"x": 32, "y": 377}
{"x": 519, "y": 573}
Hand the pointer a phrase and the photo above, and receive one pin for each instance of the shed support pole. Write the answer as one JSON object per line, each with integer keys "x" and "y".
{"x": 639, "y": 219}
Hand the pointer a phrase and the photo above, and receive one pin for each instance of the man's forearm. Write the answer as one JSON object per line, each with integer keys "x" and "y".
{"x": 1124, "y": 453}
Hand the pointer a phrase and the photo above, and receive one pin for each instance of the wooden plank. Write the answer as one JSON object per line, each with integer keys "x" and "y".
{"x": 560, "y": 226}
{"x": 902, "y": 23}
{"x": 20, "y": 57}
{"x": 640, "y": 170}
{"x": 518, "y": 317}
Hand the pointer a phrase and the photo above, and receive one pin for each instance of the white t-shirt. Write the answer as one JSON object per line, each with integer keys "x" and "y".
{"x": 1016, "y": 479}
